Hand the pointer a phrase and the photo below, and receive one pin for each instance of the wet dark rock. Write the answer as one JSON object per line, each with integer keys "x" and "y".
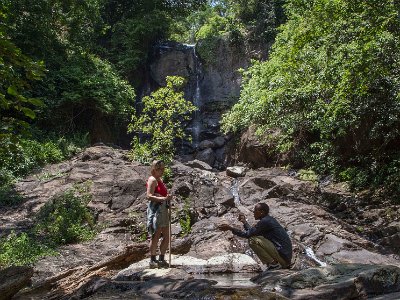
{"x": 224, "y": 196}
{"x": 252, "y": 151}
{"x": 206, "y": 155}
{"x": 219, "y": 141}
{"x": 182, "y": 187}
{"x": 206, "y": 144}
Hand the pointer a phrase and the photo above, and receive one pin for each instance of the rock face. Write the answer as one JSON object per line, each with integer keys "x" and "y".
{"x": 253, "y": 150}
{"x": 326, "y": 241}
{"x": 13, "y": 279}
{"x": 213, "y": 85}
{"x": 351, "y": 281}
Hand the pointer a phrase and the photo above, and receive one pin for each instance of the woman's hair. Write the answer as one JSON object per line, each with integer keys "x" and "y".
{"x": 156, "y": 164}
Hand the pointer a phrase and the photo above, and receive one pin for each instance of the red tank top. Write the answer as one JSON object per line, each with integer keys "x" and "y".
{"x": 160, "y": 189}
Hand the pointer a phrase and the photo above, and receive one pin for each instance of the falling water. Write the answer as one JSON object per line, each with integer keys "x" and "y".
{"x": 236, "y": 198}
{"x": 310, "y": 253}
{"x": 235, "y": 192}
{"x": 197, "y": 101}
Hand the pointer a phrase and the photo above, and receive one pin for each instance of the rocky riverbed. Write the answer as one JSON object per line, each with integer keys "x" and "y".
{"x": 346, "y": 246}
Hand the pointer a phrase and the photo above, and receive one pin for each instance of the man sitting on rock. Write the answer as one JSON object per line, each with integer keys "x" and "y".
{"x": 268, "y": 239}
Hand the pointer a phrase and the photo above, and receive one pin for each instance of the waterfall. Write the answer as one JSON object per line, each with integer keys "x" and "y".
{"x": 236, "y": 198}
{"x": 310, "y": 253}
{"x": 197, "y": 100}
{"x": 235, "y": 192}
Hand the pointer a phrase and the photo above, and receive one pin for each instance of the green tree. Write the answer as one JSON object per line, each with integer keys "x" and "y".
{"x": 161, "y": 122}
{"x": 255, "y": 20}
{"x": 47, "y": 30}
{"x": 260, "y": 17}
{"x": 132, "y": 27}
{"x": 17, "y": 106}
{"x": 17, "y": 71}
{"x": 88, "y": 91}
{"x": 331, "y": 86}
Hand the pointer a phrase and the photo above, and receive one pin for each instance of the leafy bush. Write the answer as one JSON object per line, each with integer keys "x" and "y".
{"x": 168, "y": 176}
{"x": 207, "y": 49}
{"x": 20, "y": 156}
{"x": 65, "y": 219}
{"x": 85, "y": 90}
{"x": 184, "y": 219}
{"x": 8, "y": 196}
{"x": 17, "y": 72}
{"x": 20, "y": 249}
{"x": 161, "y": 119}
{"x": 331, "y": 87}
{"x": 215, "y": 26}
{"x": 307, "y": 175}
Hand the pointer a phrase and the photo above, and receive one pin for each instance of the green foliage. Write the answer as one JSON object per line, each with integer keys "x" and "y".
{"x": 88, "y": 90}
{"x": 308, "y": 175}
{"x": 240, "y": 21}
{"x": 80, "y": 88}
{"x": 208, "y": 48}
{"x": 20, "y": 156}
{"x": 17, "y": 72}
{"x": 215, "y": 26}
{"x": 133, "y": 27}
{"x": 65, "y": 219}
{"x": 132, "y": 38}
{"x": 167, "y": 176}
{"x": 260, "y": 17}
{"x": 26, "y": 155}
{"x": 331, "y": 87}
{"x": 143, "y": 233}
{"x": 138, "y": 227}
{"x": 47, "y": 30}
{"x": 184, "y": 219}
{"x": 8, "y": 196}
{"x": 161, "y": 119}
{"x": 21, "y": 249}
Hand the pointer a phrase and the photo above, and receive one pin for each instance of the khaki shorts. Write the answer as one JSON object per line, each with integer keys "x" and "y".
{"x": 161, "y": 217}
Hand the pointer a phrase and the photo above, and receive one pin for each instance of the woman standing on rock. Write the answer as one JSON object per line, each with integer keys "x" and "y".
{"x": 157, "y": 213}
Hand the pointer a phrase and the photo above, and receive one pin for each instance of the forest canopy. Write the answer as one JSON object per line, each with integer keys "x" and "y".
{"x": 330, "y": 85}
{"x": 331, "y": 88}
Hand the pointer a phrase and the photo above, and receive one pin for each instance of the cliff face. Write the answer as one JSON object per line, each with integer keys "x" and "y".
{"x": 211, "y": 69}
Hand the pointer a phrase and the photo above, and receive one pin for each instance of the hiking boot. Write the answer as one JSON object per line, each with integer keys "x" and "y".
{"x": 153, "y": 264}
{"x": 163, "y": 264}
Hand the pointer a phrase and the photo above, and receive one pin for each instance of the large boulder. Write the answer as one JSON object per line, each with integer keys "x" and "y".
{"x": 207, "y": 155}
{"x": 254, "y": 150}
{"x": 13, "y": 279}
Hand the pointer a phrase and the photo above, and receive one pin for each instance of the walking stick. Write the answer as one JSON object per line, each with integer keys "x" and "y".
{"x": 170, "y": 235}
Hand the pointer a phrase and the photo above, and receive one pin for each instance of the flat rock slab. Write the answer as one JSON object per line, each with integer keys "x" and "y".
{"x": 342, "y": 281}
{"x": 229, "y": 263}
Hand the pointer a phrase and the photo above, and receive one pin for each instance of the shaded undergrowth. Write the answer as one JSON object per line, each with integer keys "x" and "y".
{"x": 64, "y": 219}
